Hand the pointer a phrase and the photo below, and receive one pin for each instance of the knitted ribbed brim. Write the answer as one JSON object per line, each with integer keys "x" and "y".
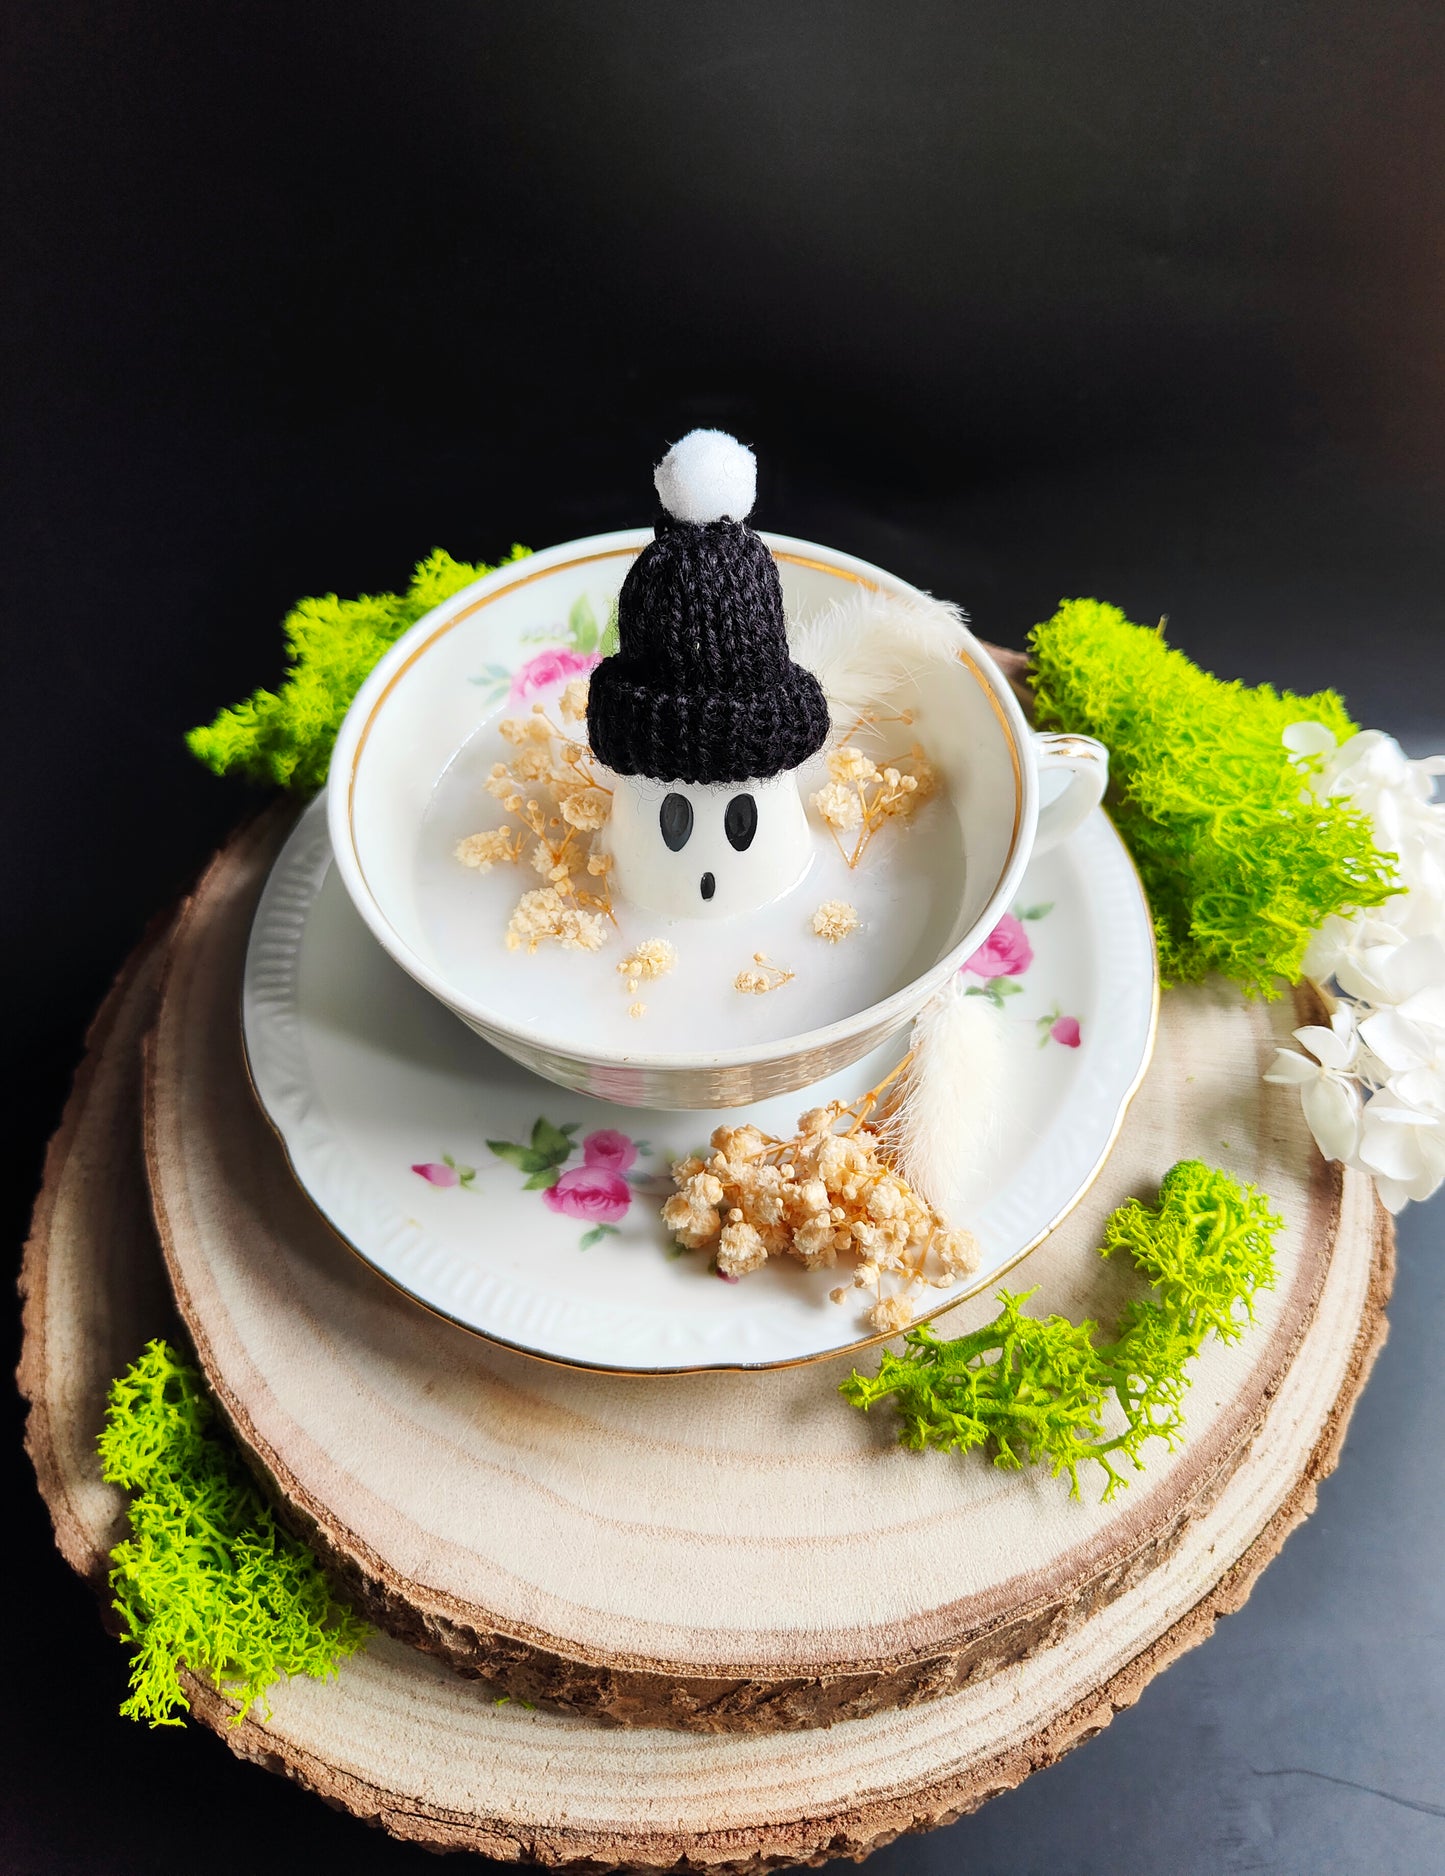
{"x": 705, "y": 735}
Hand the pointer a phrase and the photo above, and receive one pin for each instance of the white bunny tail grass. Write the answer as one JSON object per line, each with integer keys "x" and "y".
{"x": 942, "y": 1131}
{"x": 864, "y": 648}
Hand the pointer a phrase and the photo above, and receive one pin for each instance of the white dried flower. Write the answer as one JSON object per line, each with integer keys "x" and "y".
{"x": 653, "y": 958}
{"x": 483, "y": 850}
{"x": 537, "y": 915}
{"x": 768, "y": 976}
{"x": 740, "y": 1249}
{"x": 892, "y": 1314}
{"x": 587, "y": 808}
{"x": 573, "y": 701}
{"x": 847, "y": 764}
{"x": 834, "y": 920}
{"x": 528, "y": 729}
{"x": 839, "y": 806}
{"x": 959, "y": 1251}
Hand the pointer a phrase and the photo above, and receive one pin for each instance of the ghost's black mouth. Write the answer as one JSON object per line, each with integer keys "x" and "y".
{"x": 708, "y": 886}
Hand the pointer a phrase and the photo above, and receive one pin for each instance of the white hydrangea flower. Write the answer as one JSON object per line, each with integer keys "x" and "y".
{"x": 1385, "y": 974}
{"x": 1329, "y": 1088}
{"x": 1404, "y": 1148}
{"x": 1371, "y": 772}
{"x": 1409, "y": 1043}
{"x": 1373, "y": 1083}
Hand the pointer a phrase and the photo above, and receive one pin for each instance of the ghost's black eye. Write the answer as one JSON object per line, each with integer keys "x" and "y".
{"x": 740, "y": 822}
{"x": 675, "y": 817}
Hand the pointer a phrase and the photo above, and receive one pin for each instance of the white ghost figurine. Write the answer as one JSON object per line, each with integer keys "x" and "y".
{"x": 701, "y": 713}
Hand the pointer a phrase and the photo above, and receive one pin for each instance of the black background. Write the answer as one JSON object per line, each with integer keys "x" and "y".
{"x": 1144, "y": 301}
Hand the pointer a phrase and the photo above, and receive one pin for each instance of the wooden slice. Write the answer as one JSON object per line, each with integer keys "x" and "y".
{"x": 399, "y": 1740}
{"x": 721, "y": 1552}
{"x": 94, "y": 1289}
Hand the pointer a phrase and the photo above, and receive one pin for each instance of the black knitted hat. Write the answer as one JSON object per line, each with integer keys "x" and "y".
{"x": 701, "y": 687}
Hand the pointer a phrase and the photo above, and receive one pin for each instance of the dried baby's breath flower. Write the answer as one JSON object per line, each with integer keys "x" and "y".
{"x": 740, "y": 1249}
{"x": 587, "y": 808}
{"x": 892, "y": 1314}
{"x": 532, "y": 763}
{"x": 551, "y": 864}
{"x": 923, "y": 771}
{"x": 654, "y": 957}
{"x": 484, "y": 850}
{"x": 834, "y": 919}
{"x": 740, "y": 1143}
{"x": 636, "y": 1010}
{"x": 839, "y": 806}
{"x": 537, "y": 915}
{"x": 863, "y": 796}
{"x": 828, "y": 1194}
{"x": 550, "y": 786}
{"x": 581, "y": 931}
{"x": 848, "y": 764}
{"x": 529, "y": 729}
{"x": 573, "y": 701}
{"x": 768, "y": 976}
{"x": 958, "y": 1252}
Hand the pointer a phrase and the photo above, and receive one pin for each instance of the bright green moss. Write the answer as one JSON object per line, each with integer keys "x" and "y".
{"x": 1240, "y": 865}
{"x": 286, "y": 735}
{"x": 1035, "y": 1391}
{"x": 206, "y": 1580}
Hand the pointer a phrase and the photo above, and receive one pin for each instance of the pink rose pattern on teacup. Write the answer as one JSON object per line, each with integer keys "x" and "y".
{"x": 572, "y": 650}
{"x": 548, "y": 668}
{"x": 607, "y": 1147}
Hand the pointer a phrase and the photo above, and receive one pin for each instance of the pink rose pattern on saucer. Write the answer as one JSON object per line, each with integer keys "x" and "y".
{"x": 590, "y": 1192}
{"x": 1006, "y": 952}
{"x": 1003, "y": 958}
{"x": 446, "y": 1172}
{"x": 599, "y": 1191}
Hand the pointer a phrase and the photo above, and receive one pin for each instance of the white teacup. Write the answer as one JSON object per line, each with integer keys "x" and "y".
{"x": 428, "y": 695}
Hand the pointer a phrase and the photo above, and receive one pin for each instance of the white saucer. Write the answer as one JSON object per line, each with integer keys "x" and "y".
{"x": 385, "y": 1104}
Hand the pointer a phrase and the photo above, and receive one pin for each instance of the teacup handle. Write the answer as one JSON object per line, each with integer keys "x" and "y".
{"x": 1086, "y": 765}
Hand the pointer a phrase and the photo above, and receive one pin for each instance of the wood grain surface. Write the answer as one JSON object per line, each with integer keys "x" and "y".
{"x": 726, "y": 1552}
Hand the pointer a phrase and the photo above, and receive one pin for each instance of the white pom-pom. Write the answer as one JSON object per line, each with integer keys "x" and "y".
{"x": 708, "y": 476}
